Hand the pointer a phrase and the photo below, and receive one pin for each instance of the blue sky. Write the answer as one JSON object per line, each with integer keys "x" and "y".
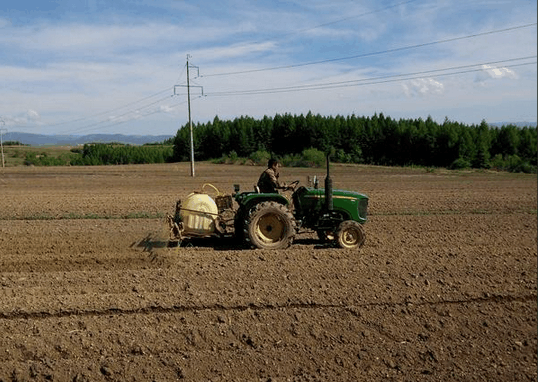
{"x": 109, "y": 66}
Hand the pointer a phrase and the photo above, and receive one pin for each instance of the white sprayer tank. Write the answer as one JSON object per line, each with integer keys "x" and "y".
{"x": 198, "y": 213}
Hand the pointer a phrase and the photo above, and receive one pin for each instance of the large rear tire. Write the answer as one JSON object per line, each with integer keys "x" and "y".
{"x": 270, "y": 225}
{"x": 350, "y": 234}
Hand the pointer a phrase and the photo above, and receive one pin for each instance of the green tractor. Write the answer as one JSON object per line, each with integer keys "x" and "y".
{"x": 270, "y": 220}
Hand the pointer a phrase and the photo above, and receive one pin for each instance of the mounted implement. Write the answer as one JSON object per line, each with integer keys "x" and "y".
{"x": 270, "y": 220}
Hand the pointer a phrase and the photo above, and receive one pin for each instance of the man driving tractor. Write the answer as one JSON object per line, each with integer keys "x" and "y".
{"x": 268, "y": 182}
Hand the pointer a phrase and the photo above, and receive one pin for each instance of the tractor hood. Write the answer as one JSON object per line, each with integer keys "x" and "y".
{"x": 341, "y": 194}
{"x": 350, "y": 203}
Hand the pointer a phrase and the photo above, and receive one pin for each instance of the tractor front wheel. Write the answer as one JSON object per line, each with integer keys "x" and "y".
{"x": 270, "y": 225}
{"x": 350, "y": 234}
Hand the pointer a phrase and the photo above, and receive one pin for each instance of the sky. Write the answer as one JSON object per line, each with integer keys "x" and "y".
{"x": 120, "y": 67}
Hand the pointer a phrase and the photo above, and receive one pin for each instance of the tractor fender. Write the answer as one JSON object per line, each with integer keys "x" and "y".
{"x": 254, "y": 199}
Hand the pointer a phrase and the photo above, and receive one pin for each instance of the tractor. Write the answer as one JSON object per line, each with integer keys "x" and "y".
{"x": 271, "y": 220}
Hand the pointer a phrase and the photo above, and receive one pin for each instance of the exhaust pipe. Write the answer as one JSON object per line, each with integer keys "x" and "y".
{"x": 328, "y": 189}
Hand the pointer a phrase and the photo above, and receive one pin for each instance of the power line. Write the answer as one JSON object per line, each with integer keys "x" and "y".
{"x": 113, "y": 118}
{"x": 117, "y": 108}
{"x": 85, "y": 128}
{"x": 371, "y": 53}
{"x": 373, "y": 80}
{"x": 109, "y": 111}
{"x": 140, "y": 116}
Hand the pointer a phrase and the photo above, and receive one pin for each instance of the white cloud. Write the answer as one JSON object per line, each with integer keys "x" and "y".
{"x": 491, "y": 72}
{"x": 422, "y": 87}
{"x": 167, "y": 108}
{"x": 33, "y": 115}
{"x": 28, "y": 118}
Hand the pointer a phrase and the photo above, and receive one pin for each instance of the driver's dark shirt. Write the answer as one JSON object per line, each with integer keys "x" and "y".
{"x": 268, "y": 182}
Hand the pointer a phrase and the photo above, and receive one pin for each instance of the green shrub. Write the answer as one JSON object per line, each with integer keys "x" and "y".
{"x": 355, "y": 156}
{"x": 260, "y": 157}
{"x": 43, "y": 159}
{"x": 309, "y": 158}
{"x": 292, "y": 160}
{"x": 221, "y": 160}
{"x": 460, "y": 164}
{"x": 233, "y": 156}
{"x": 498, "y": 163}
{"x": 18, "y": 154}
{"x": 314, "y": 157}
{"x": 516, "y": 164}
{"x": 512, "y": 163}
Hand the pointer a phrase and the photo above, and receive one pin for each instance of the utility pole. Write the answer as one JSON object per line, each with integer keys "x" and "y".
{"x": 190, "y": 121}
{"x": 2, "y": 130}
{"x": 189, "y": 107}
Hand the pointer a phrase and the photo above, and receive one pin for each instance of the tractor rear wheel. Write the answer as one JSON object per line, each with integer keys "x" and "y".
{"x": 350, "y": 234}
{"x": 270, "y": 225}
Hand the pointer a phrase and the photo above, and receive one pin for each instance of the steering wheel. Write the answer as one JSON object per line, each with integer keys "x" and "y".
{"x": 292, "y": 185}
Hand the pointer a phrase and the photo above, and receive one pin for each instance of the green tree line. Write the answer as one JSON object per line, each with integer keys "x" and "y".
{"x": 104, "y": 154}
{"x": 377, "y": 140}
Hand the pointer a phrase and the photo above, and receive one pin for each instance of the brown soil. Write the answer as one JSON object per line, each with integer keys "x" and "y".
{"x": 443, "y": 289}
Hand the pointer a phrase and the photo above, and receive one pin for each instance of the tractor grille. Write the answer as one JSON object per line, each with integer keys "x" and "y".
{"x": 363, "y": 208}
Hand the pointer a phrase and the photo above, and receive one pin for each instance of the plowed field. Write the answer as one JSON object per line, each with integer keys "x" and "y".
{"x": 443, "y": 289}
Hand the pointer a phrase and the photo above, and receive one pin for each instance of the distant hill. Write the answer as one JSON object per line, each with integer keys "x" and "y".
{"x": 73, "y": 140}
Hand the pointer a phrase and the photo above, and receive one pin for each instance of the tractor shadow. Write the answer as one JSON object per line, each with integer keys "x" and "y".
{"x": 230, "y": 243}
{"x": 151, "y": 243}
{"x": 314, "y": 243}
{"x": 226, "y": 243}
